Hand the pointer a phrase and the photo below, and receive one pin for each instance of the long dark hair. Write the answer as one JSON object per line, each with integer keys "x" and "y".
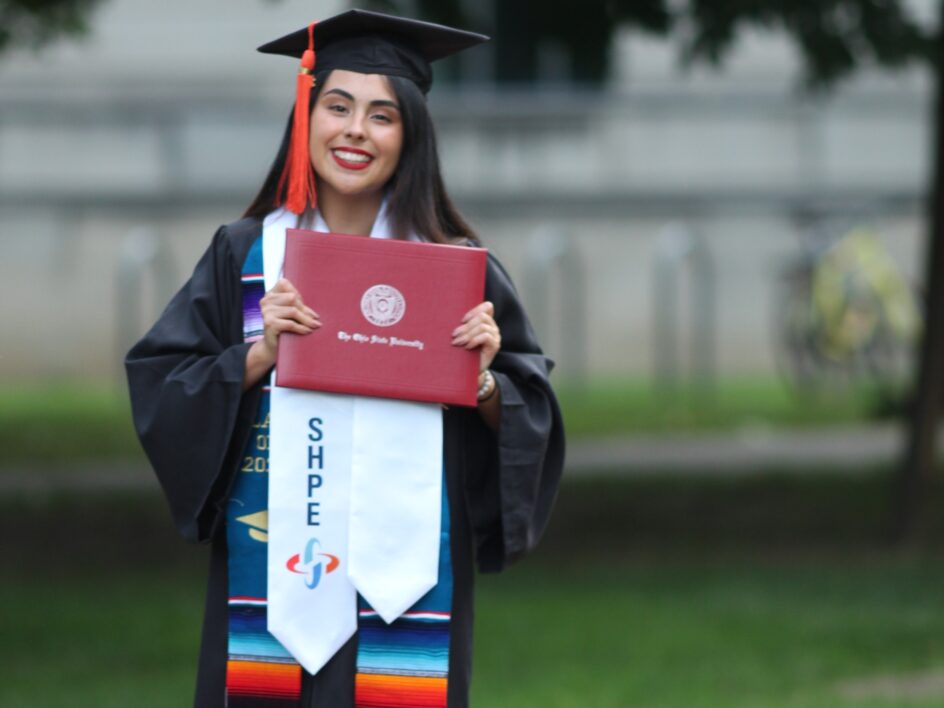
{"x": 417, "y": 198}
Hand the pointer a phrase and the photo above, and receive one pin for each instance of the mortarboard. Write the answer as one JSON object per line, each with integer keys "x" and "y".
{"x": 373, "y": 43}
{"x": 365, "y": 42}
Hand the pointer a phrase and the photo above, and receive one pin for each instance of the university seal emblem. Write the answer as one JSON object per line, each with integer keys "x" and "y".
{"x": 383, "y": 305}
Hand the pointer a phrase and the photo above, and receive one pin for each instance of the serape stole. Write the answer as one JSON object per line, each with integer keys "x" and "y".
{"x": 401, "y": 665}
{"x": 406, "y": 663}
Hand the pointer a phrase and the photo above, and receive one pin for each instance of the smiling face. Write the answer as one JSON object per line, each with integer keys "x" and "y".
{"x": 356, "y": 134}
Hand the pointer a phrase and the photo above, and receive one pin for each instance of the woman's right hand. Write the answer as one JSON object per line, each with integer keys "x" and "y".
{"x": 282, "y": 311}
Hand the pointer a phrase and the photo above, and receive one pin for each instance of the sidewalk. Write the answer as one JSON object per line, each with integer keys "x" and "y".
{"x": 742, "y": 452}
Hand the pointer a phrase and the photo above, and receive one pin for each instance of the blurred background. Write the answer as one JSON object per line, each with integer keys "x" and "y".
{"x": 723, "y": 218}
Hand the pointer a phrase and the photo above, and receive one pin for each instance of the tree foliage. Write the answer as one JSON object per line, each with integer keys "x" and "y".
{"x": 835, "y": 37}
{"x": 34, "y": 23}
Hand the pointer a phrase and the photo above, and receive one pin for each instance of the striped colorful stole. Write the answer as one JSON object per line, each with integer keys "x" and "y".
{"x": 401, "y": 665}
{"x": 406, "y": 663}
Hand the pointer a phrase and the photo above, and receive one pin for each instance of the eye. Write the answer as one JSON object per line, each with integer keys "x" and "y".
{"x": 382, "y": 117}
{"x": 337, "y": 108}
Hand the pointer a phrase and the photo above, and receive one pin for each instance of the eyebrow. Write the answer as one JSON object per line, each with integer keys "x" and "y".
{"x": 349, "y": 97}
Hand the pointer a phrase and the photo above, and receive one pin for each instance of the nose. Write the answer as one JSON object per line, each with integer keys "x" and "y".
{"x": 355, "y": 126}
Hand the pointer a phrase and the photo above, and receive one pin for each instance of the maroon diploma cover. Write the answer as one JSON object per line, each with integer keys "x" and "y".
{"x": 388, "y": 309}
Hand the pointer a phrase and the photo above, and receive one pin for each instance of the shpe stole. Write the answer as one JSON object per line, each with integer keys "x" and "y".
{"x": 404, "y": 663}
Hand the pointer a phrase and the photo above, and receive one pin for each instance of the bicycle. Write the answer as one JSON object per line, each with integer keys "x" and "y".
{"x": 845, "y": 313}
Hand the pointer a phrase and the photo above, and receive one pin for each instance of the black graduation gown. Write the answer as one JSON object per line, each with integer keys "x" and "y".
{"x": 193, "y": 419}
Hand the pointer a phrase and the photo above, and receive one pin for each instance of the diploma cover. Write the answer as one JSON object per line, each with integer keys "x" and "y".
{"x": 388, "y": 309}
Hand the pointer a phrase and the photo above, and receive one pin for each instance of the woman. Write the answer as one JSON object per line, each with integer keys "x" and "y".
{"x": 201, "y": 403}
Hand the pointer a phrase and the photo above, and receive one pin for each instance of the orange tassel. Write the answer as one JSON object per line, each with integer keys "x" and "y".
{"x": 298, "y": 172}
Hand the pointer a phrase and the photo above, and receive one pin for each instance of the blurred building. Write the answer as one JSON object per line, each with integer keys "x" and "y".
{"x": 120, "y": 155}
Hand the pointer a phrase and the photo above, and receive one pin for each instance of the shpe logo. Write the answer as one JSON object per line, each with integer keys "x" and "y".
{"x": 383, "y": 305}
{"x": 312, "y": 563}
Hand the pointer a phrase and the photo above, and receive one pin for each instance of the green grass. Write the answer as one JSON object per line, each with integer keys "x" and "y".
{"x": 631, "y": 406}
{"x": 56, "y": 425}
{"x": 768, "y": 591}
{"x": 705, "y": 631}
{"x": 114, "y": 639}
{"x": 554, "y": 632}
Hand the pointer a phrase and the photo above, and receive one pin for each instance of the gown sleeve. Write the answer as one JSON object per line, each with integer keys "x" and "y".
{"x": 514, "y": 473}
{"x": 185, "y": 378}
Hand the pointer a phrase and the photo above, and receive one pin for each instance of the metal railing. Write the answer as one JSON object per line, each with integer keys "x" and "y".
{"x": 143, "y": 255}
{"x": 555, "y": 288}
{"x": 682, "y": 252}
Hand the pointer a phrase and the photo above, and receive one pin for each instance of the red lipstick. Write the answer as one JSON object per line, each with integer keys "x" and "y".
{"x": 350, "y": 164}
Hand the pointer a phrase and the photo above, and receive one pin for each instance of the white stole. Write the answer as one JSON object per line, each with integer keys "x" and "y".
{"x": 355, "y": 498}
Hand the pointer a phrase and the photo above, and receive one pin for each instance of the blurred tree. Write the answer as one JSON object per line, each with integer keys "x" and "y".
{"x": 34, "y": 23}
{"x": 547, "y": 41}
{"x": 835, "y": 37}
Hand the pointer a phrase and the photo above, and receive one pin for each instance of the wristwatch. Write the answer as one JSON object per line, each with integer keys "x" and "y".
{"x": 487, "y": 387}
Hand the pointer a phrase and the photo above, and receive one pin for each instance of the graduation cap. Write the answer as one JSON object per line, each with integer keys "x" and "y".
{"x": 374, "y": 43}
{"x": 365, "y": 42}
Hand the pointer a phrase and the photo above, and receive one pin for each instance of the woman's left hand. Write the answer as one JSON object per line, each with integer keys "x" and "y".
{"x": 479, "y": 331}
